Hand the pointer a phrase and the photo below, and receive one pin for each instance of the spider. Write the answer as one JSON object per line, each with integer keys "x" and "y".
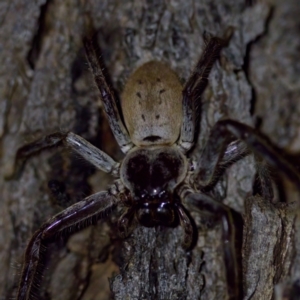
{"x": 159, "y": 181}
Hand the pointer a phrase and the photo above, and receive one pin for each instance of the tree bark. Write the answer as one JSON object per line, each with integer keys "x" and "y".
{"x": 46, "y": 86}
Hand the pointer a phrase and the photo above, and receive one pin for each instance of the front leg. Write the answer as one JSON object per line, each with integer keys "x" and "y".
{"x": 72, "y": 219}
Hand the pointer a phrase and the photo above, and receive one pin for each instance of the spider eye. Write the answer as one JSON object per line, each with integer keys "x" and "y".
{"x": 163, "y": 195}
{"x": 141, "y": 194}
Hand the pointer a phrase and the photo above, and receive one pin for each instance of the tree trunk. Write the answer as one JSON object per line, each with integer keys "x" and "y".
{"x": 46, "y": 87}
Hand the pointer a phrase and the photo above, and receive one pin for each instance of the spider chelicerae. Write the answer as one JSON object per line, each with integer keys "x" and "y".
{"x": 159, "y": 181}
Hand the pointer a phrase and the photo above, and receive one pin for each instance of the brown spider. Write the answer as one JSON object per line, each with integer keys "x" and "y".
{"x": 158, "y": 182}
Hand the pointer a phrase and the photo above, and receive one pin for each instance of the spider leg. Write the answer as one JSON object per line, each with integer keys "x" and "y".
{"x": 201, "y": 202}
{"x": 264, "y": 179}
{"x": 187, "y": 226}
{"x": 234, "y": 151}
{"x": 75, "y": 217}
{"x": 89, "y": 152}
{"x": 194, "y": 87}
{"x": 226, "y": 131}
{"x": 126, "y": 223}
{"x": 107, "y": 96}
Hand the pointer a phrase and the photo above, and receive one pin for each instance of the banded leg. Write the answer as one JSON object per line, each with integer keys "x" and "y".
{"x": 85, "y": 149}
{"x": 107, "y": 96}
{"x": 91, "y": 208}
{"x": 193, "y": 89}
{"x": 203, "y": 203}
{"x": 222, "y": 134}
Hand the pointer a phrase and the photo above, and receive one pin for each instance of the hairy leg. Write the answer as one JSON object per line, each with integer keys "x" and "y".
{"x": 71, "y": 219}
{"x": 235, "y": 151}
{"x": 127, "y": 223}
{"x": 264, "y": 179}
{"x": 222, "y": 134}
{"x": 89, "y": 152}
{"x": 194, "y": 87}
{"x": 188, "y": 228}
{"x": 203, "y": 203}
{"x": 107, "y": 95}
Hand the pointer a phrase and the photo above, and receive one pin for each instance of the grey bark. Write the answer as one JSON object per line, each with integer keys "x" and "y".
{"x": 46, "y": 86}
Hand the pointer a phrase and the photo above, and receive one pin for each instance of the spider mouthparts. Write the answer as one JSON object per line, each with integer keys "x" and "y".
{"x": 151, "y": 214}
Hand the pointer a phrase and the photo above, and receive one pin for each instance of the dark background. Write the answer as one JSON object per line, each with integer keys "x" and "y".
{"x": 45, "y": 86}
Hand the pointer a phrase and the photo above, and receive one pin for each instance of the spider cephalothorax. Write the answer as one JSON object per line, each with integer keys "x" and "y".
{"x": 158, "y": 180}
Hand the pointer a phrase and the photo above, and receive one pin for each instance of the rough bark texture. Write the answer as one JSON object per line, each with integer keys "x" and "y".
{"x": 46, "y": 86}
